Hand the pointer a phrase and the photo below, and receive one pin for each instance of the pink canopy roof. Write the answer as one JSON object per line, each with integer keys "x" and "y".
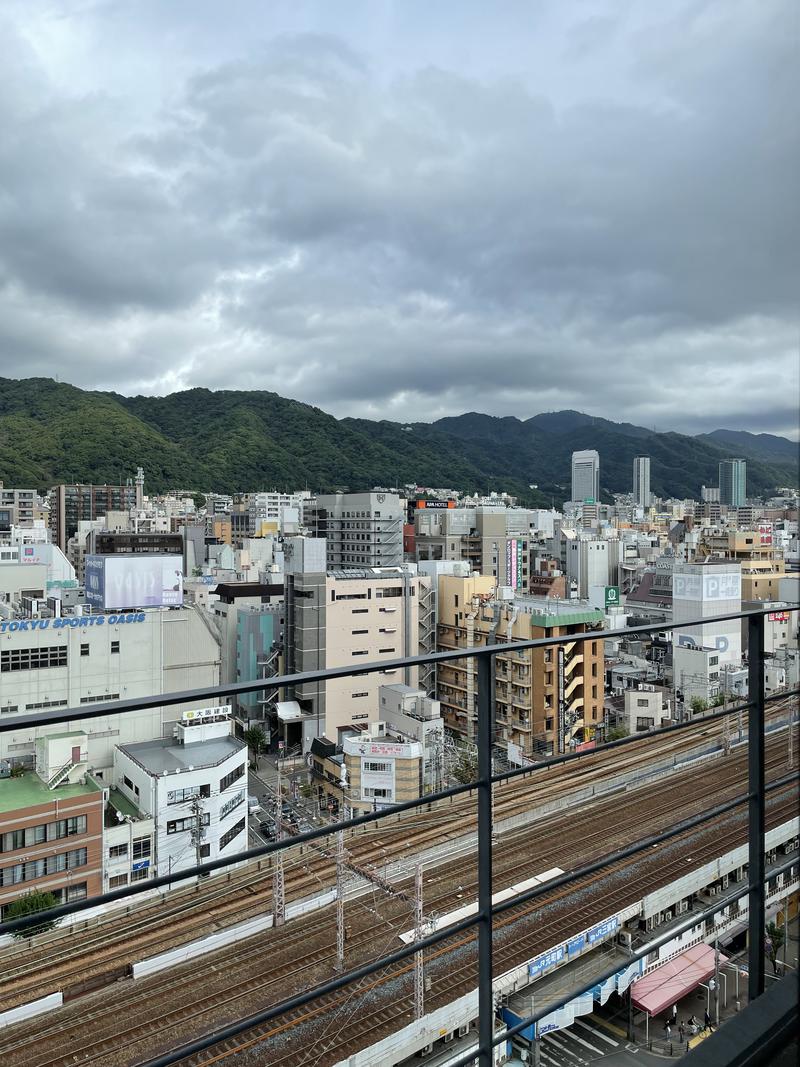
{"x": 671, "y": 981}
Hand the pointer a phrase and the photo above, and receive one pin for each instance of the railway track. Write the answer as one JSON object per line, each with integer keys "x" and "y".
{"x": 240, "y": 991}
{"x": 61, "y": 959}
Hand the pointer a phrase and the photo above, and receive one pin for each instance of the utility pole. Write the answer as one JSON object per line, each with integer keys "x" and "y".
{"x": 419, "y": 962}
{"x": 278, "y": 887}
{"x": 197, "y": 829}
{"x": 340, "y": 900}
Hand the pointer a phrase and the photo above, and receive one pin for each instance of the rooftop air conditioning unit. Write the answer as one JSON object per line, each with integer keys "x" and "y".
{"x": 463, "y": 1030}
{"x": 449, "y": 1037}
{"x": 426, "y": 1051}
{"x": 667, "y": 916}
{"x": 625, "y": 938}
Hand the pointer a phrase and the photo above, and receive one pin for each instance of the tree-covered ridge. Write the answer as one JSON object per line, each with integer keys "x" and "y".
{"x": 235, "y": 440}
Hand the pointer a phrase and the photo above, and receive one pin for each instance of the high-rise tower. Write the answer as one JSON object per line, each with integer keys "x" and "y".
{"x": 733, "y": 482}
{"x": 586, "y": 476}
{"x": 641, "y": 481}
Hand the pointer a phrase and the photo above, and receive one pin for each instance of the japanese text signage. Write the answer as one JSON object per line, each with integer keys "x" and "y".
{"x": 546, "y": 960}
{"x": 602, "y": 930}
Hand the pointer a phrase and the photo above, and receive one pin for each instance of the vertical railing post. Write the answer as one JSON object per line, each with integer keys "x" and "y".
{"x": 485, "y": 742}
{"x": 755, "y": 750}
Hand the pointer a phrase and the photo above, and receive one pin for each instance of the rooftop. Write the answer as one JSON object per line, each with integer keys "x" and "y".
{"x": 29, "y": 791}
{"x": 166, "y": 756}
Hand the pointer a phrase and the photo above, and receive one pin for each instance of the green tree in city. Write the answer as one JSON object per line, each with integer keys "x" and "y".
{"x": 718, "y": 700}
{"x": 36, "y": 900}
{"x": 774, "y": 943}
{"x": 256, "y": 741}
{"x": 465, "y": 768}
{"x": 698, "y": 705}
{"x": 616, "y": 733}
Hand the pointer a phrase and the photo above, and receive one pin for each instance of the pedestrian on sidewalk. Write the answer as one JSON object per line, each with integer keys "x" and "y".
{"x": 707, "y": 1020}
{"x": 681, "y": 1031}
{"x": 667, "y": 1031}
{"x": 674, "y": 1014}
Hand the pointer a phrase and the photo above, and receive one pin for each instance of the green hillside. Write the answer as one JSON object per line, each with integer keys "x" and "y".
{"x": 244, "y": 440}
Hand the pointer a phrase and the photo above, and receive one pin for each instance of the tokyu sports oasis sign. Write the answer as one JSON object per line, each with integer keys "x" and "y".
{"x": 73, "y": 622}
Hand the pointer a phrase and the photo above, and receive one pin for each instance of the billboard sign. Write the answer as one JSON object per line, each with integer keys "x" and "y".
{"x": 612, "y": 596}
{"x": 117, "y": 582}
{"x": 765, "y": 533}
{"x": 220, "y": 711}
{"x": 437, "y": 505}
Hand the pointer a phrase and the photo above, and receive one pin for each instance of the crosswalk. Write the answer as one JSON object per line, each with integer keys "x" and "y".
{"x": 584, "y": 1042}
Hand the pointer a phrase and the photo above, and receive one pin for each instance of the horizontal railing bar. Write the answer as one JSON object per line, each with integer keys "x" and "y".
{"x": 258, "y": 1018}
{"x": 121, "y": 707}
{"x": 309, "y": 836}
{"x": 631, "y": 850}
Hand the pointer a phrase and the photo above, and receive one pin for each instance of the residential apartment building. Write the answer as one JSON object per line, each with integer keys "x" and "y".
{"x": 360, "y": 529}
{"x": 17, "y": 508}
{"x": 546, "y": 699}
{"x": 71, "y": 504}
{"x": 51, "y": 826}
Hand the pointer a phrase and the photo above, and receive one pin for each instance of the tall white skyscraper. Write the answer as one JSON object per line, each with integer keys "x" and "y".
{"x": 586, "y": 476}
{"x": 641, "y": 481}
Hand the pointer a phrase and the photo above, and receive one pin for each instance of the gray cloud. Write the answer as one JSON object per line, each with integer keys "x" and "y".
{"x": 409, "y": 242}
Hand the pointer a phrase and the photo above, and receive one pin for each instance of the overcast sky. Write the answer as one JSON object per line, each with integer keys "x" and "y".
{"x": 408, "y": 209}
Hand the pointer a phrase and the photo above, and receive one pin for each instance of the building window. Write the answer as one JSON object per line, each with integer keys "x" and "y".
{"x": 361, "y": 693}
{"x": 383, "y": 794}
{"x": 114, "y": 646}
{"x": 231, "y": 777}
{"x": 356, "y": 632}
{"x": 370, "y": 766}
{"x": 84, "y": 650}
{"x": 229, "y": 835}
{"x": 33, "y": 659}
{"x": 205, "y": 852}
{"x": 117, "y": 881}
{"x": 141, "y": 847}
{"x": 387, "y": 650}
{"x": 178, "y": 826}
{"x": 118, "y": 850}
{"x": 140, "y": 875}
{"x": 360, "y": 652}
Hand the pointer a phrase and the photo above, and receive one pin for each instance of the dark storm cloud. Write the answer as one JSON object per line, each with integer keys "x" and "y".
{"x": 428, "y": 242}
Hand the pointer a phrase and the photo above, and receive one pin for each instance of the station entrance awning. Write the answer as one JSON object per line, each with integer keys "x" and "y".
{"x": 670, "y": 982}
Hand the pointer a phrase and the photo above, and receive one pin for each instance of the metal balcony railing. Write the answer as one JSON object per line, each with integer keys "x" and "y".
{"x": 488, "y": 1037}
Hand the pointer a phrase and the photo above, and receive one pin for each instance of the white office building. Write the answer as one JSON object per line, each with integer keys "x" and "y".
{"x": 194, "y": 787}
{"x": 586, "y": 476}
{"x": 702, "y": 591}
{"x": 360, "y": 529}
{"x": 76, "y": 660}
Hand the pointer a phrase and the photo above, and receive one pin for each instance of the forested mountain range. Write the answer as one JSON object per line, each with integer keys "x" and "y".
{"x": 234, "y": 440}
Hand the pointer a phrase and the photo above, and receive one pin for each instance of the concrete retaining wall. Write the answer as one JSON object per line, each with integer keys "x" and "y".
{"x": 33, "y": 1007}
